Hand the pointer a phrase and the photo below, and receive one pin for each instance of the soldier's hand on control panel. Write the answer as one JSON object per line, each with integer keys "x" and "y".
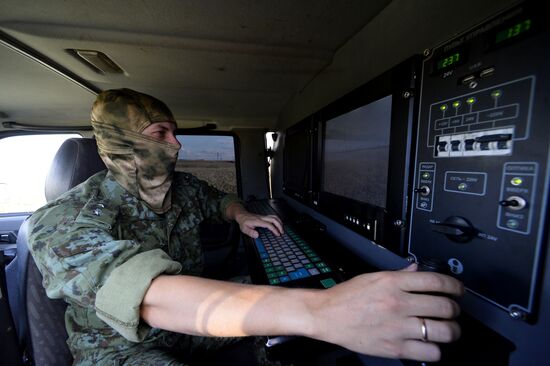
{"x": 391, "y": 314}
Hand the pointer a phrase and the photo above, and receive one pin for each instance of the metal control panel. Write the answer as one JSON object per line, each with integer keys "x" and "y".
{"x": 481, "y": 185}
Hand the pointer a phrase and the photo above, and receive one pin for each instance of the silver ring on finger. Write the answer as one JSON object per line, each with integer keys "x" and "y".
{"x": 423, "y": 330}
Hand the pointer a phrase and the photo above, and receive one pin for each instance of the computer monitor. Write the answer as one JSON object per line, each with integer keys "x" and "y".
{"x": 361, "y": 176}
{"x": 358, "y": 142}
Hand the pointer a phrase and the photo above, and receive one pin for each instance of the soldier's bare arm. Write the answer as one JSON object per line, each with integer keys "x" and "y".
{"x": 379, "y": 314}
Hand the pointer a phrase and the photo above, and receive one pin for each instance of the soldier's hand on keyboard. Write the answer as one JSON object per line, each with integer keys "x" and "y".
{"x": 391, "y": 314}
{"x": 248, "y": 222}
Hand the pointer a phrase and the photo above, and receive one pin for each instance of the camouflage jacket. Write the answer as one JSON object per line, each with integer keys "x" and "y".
{"x": 98, "y": 248}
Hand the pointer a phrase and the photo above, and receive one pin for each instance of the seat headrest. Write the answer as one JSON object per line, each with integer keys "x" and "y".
{"x": 76, "y": 160}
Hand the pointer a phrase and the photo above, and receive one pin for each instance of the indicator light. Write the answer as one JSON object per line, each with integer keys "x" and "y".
{"x": 516, "y": 181}
{"x": 512, "y": 224}
{"x": 471, "y": 100}
{"x": 426, "y": 175}
{"x": 496, "y": 93}
{"x": 443, "y": 107}
{"x": 456, "y": 104}
{"x": 462, "y": 186}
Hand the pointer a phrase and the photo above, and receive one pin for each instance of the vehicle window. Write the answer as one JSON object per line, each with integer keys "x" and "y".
{"x": 210, "y": 158}
{"x": 24, "y": 164}
{"x": 270, "y": 138}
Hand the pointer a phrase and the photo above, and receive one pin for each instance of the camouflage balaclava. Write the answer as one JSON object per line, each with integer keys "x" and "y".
{"x": 141, "y": 164}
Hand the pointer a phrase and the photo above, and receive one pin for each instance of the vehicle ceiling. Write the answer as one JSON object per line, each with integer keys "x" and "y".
{"x": 236, "y": 63}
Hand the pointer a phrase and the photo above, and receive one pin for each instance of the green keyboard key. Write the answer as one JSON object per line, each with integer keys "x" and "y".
{"x": 274, "y": 281}
{"x": 328, "y": 282}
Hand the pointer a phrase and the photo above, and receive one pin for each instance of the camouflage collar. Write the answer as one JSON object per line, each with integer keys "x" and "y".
{"x": 110, "y": 190}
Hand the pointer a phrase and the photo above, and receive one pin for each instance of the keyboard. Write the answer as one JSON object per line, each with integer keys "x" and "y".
{"x": 287, "y": 257}
{"x": 288, "y": 260}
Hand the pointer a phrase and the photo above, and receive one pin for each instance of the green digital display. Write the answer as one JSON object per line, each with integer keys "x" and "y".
{"x": 513, "y": 31}
{"x": 448, "y": 61}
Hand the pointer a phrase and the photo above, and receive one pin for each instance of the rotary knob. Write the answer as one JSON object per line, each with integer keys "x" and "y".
{"x": 456, "y": 228}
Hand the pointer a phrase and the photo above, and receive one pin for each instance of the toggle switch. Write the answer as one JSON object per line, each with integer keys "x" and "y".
{"x": 515, "y": 203}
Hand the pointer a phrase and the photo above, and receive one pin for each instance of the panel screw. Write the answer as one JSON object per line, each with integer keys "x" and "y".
{"x": 426, "y": 52}
{"x": 472, "y": 85}
{"x": 517, "y": 314}
{"x": 407, "y": 94}
{"x": 411, "y": 259}
{"x": 398, "y": 223}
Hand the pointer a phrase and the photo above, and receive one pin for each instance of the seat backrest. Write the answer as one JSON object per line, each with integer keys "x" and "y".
{"x": 41, "y": 319}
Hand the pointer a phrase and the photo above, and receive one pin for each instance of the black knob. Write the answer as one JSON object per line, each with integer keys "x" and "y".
{"x": 512, "y": 203}
{"x": 433, "y": 265}
{"x": 424, "y": 190}
{"x": 456, "y": 228}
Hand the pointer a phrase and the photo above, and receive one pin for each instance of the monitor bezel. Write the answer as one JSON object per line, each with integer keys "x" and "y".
{"x": 384, "y": 225}
{"x": 302, "y": 194}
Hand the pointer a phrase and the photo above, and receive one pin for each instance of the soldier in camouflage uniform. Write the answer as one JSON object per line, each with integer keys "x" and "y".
{"x": 140, "y": 218}
{"x": 112, "y": 246}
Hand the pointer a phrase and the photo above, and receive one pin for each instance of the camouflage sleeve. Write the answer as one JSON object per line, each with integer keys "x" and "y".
{"x": 214, "y": 203}
{"x": 82, "y": 263}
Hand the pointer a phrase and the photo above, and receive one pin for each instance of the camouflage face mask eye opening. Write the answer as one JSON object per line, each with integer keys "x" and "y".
{"x": 142, "y": 165}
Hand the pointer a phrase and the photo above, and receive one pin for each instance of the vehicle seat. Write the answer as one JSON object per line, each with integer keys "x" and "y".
{"x": 41, "y": 320}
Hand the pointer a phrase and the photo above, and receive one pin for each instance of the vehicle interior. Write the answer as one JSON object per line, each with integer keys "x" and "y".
{"x": 382, "y": 132}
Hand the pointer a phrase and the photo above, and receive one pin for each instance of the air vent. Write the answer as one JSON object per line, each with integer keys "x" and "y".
{"x": 98, "y": 61}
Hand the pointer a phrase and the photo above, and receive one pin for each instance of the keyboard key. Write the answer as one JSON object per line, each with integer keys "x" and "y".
{"x": 284, "y": 279}
{"x": 301, "y": 273}
{"x": 328, "y": 282}
{"x": 313, "y": 271}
